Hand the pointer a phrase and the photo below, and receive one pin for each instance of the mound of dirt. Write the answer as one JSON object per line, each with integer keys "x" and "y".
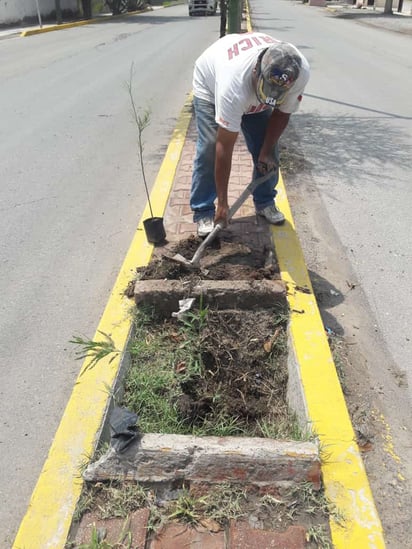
{"x": 223, "y": 260}
{"x": 243, "y": 374}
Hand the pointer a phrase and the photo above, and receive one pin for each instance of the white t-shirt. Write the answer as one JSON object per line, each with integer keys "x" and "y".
{"x": 223, "y": 76}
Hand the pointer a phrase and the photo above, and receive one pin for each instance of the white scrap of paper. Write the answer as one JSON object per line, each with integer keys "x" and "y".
{"x": 184, "y": 306}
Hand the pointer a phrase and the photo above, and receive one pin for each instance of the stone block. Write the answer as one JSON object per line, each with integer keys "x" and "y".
{"x": 257, "y": 462}
{"x": 164, "y": 295}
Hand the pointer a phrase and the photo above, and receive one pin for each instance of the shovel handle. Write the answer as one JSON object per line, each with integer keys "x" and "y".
{"x": 211, "y": 236}
{"x": 246, "y": 192}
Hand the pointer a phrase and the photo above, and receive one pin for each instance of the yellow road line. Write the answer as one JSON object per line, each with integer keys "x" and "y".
{"x": 49, "y": 515}
{"x": 345, "y": 480}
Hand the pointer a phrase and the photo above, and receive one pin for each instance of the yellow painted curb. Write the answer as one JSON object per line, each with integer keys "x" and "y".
{"x": 344, "y": 477}
{"x": 49, "y": 515}
{"x": 57, "y": 27}
{"x": 77, "y": 23}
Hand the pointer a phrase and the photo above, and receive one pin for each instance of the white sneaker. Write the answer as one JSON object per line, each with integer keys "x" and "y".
{"x": 205, "y": 226}
{"x": 272, "y": 215}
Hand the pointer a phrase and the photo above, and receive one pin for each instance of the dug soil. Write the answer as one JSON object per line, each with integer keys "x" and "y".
{"x": 217, "y": 373}
{"x": 224, "y": 259}
{"x": 234, "y": 369}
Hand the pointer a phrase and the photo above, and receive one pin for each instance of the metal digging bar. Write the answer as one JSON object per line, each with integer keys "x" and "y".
{"x": 232, "y": 210}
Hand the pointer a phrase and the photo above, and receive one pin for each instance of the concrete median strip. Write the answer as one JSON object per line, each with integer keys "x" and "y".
{"x": 314, "y": 391}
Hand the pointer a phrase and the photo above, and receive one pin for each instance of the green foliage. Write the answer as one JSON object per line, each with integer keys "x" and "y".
{"x": 142, "y": 121}
{"x": 318, "y": 536}
{"x": 94, "y": 350}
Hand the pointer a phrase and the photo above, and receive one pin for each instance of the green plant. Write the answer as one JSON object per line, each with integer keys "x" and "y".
{"x": 317, "y": 535}
{"x": 182, "y": 374}
{"x": 94, "y": 350}
{"x": 85, "y": 503}
{"x": 142, "y": 121}
{"x": 340, "y": 358}
{"x": 315, "y": 501}
{"x": 220, "y": 425}
{"x": 225, "y": 502}
{"x": 186, "y": 508}
{"x": 288, "y": 427}
{"x": 98, "y": 540}
{"x": 122, "y": 500}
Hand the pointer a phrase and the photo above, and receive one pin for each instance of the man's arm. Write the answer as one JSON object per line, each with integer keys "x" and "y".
{"x": 225, "y": 142}
{"x": 276, "y": 126}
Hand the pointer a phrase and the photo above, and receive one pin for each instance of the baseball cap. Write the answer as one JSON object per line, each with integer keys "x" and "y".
{"x": 280, "y": 66}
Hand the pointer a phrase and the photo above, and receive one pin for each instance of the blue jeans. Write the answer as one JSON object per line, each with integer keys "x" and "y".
{"x": 203, "y": 191}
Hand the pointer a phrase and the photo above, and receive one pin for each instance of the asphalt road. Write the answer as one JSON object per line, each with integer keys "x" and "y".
{"x": 71, "y": 197}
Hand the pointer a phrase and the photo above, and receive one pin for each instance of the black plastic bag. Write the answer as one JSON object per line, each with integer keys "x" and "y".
{"x": 123, "y": 428}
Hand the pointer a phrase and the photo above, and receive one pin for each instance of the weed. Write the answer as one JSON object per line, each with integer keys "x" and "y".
{"x": 318, "y": 536}
{"x": 122, "y": 500}
{"x": 222, "y": 503}
{"x": 220, "y": 425}
{"x": 186, "y": 508}
{"x": 315, "y": 502}
{"x": 288, "y": 427}
{"x": 156, "y": 519}
{"x": 340, "y": 359}
{"x": 207, "y": 374}
{"x": 85, "y": 503}
{"x": 88, "y": 458}
{"x": 94, "y": 350}
{"x": 112, "y": 500}
{"x": 225, "y": 502}
{"x": 325, "y": 454}
{"x": 98, "y": 540}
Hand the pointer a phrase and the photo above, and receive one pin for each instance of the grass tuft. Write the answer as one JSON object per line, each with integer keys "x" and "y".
{"x": 94, "y": 350}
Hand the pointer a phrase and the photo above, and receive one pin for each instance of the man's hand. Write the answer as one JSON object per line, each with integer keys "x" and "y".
{"x": 266, "y": 167}
{"x": 221, "y": 215}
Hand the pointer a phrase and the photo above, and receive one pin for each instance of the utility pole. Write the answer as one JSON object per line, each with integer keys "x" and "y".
{"x": 58, "y": 12}
{"x": 223, "y": 17}
{"x": 388, "y": 6}
{"x": 87, "y": 9}
{"x": 234, "y": 15}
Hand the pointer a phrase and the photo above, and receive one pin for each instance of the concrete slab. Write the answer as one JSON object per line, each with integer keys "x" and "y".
{"x": 164, "y": 295}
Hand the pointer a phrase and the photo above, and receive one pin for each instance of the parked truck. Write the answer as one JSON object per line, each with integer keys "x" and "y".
{"x": 202, "y": 7}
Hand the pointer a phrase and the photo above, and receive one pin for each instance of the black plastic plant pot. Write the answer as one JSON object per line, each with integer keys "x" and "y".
{"x": 155, "y": 230}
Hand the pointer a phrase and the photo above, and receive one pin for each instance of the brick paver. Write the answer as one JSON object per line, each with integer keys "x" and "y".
{"x": 116, "y": 530}
{"x": 181, "y": 536}
{"x": 245, "y": 226}
{"x": 241, "y": 536}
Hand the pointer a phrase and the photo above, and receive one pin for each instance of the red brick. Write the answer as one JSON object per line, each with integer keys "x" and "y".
{"x": 180, "y": 536}
{"x": 136, "y": 524}
{"x": 241, "y": 536}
